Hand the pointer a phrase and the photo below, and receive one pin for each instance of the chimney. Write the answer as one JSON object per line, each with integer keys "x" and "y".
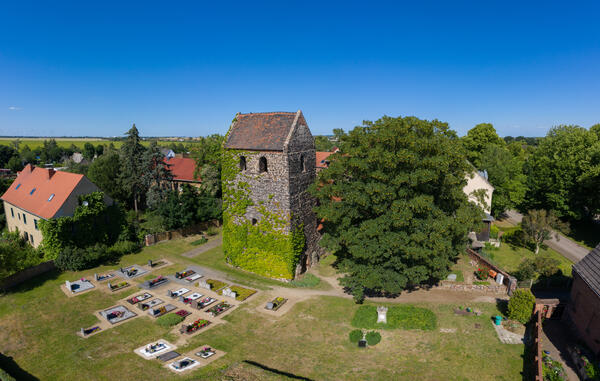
{"x": 51, "y": 172}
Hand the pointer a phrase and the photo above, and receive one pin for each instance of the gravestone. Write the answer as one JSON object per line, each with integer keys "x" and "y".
{"x": 170, "y": 293}
{"x": 109, "y": 285}
{"x": 204, "y": 284}
{"x": 228, "y": 292}
{"x": 382, "y": 314}
{"x": 82, "y": 332}
{"x": 150, "y": 262}
{"x": 68, "y": 285}
{"x": 95, "y": 277}
{"x": 270, "y": 306}
{"x": 499, "y": 278}
{"x": 452, "y": 277}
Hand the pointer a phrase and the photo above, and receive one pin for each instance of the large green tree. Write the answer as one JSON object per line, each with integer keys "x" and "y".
{"x": 392, "y": 203}
{"x": 505, "y": 173}
{"x": 132, "y": 160}
{"x": 477, "y": 140}
{"x": 104, "y": 172}
{"x": 156, "y": 176}
{"x": 564, "y": 173}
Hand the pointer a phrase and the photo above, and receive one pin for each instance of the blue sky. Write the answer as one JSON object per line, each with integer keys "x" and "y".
{"x": 185, "y": 68}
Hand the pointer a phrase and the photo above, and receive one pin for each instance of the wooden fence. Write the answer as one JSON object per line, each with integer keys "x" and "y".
{"x": 25, "y": 275}
{"x": 151, "y": 239}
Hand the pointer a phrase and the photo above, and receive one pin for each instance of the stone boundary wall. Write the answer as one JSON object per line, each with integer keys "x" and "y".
{"x": 509, "y": 281}
{"x": 25, "y": 275}
{"x": 454, "y": 286}
{"x": 537, "y": 342}
{"x": 151, "y": 239}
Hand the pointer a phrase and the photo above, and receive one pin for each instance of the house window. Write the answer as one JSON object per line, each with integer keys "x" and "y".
{"x": 19, "y": 215}
{"x": 26, "y": 236}
{"x": 12, "y": 212}
{"x": 35, "y": 224}
{"x": 51, "y": 197}
{"x": 31, "y": 238}
{"x": 33, "y": 190}
{"x": 24, "y": 219}
{"x": 243, "y": 163}
{"x": 262, "y": 165}
{"x": 302, "y": 163}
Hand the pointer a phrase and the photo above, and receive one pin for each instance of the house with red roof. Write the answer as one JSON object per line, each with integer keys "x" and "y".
{"x": 182, "y": 169}
{"x": 43, "y": 193}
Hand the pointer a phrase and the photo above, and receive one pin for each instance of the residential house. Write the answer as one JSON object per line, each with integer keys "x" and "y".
{"x": 584, "y": 306}
{"x": 43, "y": 193}
{"x": 480, "y": 191}
{"x": 322, "y": 158}
{"x": 182, "y": 169}
{"x": 167, "y": 152}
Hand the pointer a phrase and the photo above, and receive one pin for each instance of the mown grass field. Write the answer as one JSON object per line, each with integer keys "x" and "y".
{"x": 38, "y": 324}
{"x": 67, "y": 142}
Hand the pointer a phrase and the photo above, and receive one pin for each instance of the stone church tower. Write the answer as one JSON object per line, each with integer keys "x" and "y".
{"x": 268, "y": 222}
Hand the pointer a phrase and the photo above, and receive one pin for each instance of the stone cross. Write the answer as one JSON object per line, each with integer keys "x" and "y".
{"x": 228, "y": 292}
{"x": 382, "y": 314}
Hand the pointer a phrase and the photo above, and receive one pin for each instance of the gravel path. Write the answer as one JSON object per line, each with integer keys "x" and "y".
{"x": 211, "y": 244}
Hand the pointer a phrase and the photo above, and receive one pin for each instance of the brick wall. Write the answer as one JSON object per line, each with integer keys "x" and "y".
{"x": 584, "y": 313}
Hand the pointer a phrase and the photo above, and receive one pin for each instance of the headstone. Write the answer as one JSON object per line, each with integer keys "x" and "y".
{"x": 452, "y": 277}
{"x": 270, "y": 306}
{"x": 109, "y": 285}
{"x": 204, "y": 284}
{"x": 228, "y": 292}
{"x": 122, "y": 270}
{"x": 82, "y": 332}
{"x": 382, "y": 314}
{"x": 181, "y": 299}
{"x": 150, "y": 262}
{"x": 95, "y": 277}
{"x": 68, "y": 285}
{"x": 499, "y": 278}
{"x": 170, "y": 293}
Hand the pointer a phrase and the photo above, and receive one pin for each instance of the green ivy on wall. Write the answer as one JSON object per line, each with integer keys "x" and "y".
{"x": 265, "y": 248}
{"x": 92, "y": 222}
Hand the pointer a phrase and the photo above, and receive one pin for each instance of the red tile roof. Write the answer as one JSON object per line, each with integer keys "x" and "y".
{"x": 182, "y": 168}
{"x": 46, "y": 183}
{"x": 322, "y": 159}
{"x": 265, "y": 131}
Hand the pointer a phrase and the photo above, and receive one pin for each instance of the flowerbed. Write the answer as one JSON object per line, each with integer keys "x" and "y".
{"x": 184, "y": 274}
{"x": 195, "y": 326}
{"x": 118, "y": 286}
{"x": 216, "y": 285}
{"x": 482, "y": 273}
{"x": 139, "y": 298}
{"x": 157, "y": 281}
{"x": 242, "y": 293}
{"x": 403, "y": 317}
{"x": 183, "y": 313}
{"x": 219, "y": 308}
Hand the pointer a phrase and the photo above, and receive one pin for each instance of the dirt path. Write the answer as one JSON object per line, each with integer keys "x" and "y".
{"x": 211, "y": 244}
{"x": 564, "y": 245}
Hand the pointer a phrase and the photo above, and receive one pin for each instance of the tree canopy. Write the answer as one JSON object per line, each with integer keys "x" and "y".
{"x": 477, "y": 140}
{"x": 392, "y": 203}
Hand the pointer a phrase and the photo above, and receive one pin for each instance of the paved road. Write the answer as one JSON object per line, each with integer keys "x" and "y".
{"x": 564, "y": 245}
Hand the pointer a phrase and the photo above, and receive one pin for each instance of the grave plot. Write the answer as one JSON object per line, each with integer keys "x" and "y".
{"x": 131, "y": 272}
{"x": 150, "y": 304}
{"x": 139, "y": 298}
{"x": 190, "y": 298}
{"x": 154, "y": 283}
{"x": 156, "y": 312}
{"x": 194, "y": 327}
{"x": 168, "y": 356}
{"x": 78, "y": 286}
{"x": 183, "y": 365}
{"x": 155, "y": 349}
{"x": 117, "y": 314}
{"x": 178, "y": 293}
{"x": 237, "y": 292}
{"x": 200, "y": 304}
{"x": 219, "y": 309}
{"x": 183, "y": 313}
{"x": 206, "y": 354}
{"x": 103, "y": 277}
{"x": 117, "y": 286}
{"x": 87, "y": 332}
{"x": 275, "y": 304}
{"x": 158, "y": 263}
{"x": 185, "y": 274}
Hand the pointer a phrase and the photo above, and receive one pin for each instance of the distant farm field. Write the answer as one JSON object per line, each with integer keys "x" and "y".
{"x": 79, "y": 142}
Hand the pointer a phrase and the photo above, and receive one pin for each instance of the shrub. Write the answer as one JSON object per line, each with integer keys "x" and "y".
{"x": 404, "y": 317}
{"x": 211, "y": 231}
{"x": 308, "y": 280}
{"x": 76, "y": 259}
{"x": 520, "y": 305}
{"x": 482, "y": 273}
{"x": 216, "y": 284}
{"x": 526, "y": 270}
{"x": 373, "y": 338}
{"x": 356, "y": 335}
{"x": 169, "y": 320}
{"x": 516, "y": 238}
{"x": 494, "y": 231}
{"x": 200, "y": 241}
{"x": 122, "y": 248}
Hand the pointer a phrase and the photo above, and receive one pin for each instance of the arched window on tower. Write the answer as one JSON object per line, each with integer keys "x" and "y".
{"x": 262, "y": 164}
{"x": 242, "y": 163}
{"x": 302, "y": 163}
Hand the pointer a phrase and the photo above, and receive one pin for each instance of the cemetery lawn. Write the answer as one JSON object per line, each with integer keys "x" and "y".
{"x": 509, "y": 257}
{"x": 38, "y": 325}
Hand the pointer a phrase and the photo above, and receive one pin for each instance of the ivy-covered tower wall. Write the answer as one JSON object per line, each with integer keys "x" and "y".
{"x": 268, "y": 222}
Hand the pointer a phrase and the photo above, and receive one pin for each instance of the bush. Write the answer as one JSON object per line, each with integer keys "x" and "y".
{"x": 516, "y": 238}
{"x": 520, "y": 305}
{"x": 16, "y": 254}
{"x": 122, "y": 248}
{"x": 212, "y": 231}
{"x": 356, "y": 335}
{"x": 169, "y": 320}
{"x": 76, "y": 259}
{"x": 494, "y": 231}
{"x": 373, "y": 338}
{"x": 307, "y": 281}
{"x": 199, "y": 242}
{"x": 526, "y": 270}
{"x": 404, "y": 317}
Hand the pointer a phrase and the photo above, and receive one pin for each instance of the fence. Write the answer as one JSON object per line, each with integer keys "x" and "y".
{"x": 509, "y": 281}
{"x": 25, "y": 275}
{"x": 151, "y": 239}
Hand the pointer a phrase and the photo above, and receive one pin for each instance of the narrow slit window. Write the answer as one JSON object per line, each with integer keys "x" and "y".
{"x": 262, "y": 164}
{"x": 302, "y": 163}
{"x": 243, "y": 163}
{"x": 24, "y": 219}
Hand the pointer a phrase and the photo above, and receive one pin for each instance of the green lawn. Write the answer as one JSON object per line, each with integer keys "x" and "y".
{"x": 509, "y": 257}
